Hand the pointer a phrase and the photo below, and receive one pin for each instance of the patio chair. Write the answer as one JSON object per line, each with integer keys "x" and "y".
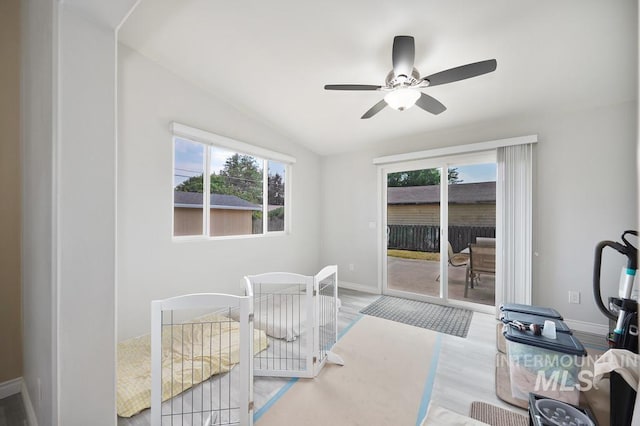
{"x": 486, "y": 241}
{"x": 482, "y": 260}
{"x": 455, "y": 259}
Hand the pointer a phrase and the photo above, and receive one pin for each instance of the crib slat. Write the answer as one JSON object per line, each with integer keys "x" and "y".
{"x": 187, "y": 359}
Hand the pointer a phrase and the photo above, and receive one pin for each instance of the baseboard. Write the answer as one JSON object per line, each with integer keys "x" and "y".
{"x": 28, "y": 406}
{"x": 10, "y": 387}
{"x": 587, "y": 327}
{"x": 358, "y": 287}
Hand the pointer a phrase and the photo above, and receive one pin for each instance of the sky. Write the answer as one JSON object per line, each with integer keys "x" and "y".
{"x": 477, "y": 173}
{"x": 189, "y": 160}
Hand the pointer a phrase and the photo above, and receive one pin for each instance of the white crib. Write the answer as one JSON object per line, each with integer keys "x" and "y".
{"x": 203, "y": 346}
{"x": 299, "y": 315}
{"x": 187, "y": 353}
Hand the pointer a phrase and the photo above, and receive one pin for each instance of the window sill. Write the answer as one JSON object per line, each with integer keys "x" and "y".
{"x": 201, "y": 238}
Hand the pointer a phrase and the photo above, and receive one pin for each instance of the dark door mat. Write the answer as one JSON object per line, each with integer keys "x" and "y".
{"x": 443, "y": 319}
{"x": 496, "y": 416}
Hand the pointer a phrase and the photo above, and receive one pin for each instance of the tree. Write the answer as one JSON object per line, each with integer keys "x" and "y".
{"x": 424, "y": 177}
{"x": 453, "y": 176}
{"x": 218, "y": 184}
{"x": 193, "y": 184}
{"x": 241, "y": 176}
{"x": 276, "y": 190}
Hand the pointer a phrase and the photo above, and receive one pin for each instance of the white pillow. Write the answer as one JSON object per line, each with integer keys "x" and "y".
{"x": 283, "y": 315}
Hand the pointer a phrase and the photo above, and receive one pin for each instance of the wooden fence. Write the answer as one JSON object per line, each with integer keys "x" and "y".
{"x": 427, "y": 237}
{"x": 276, "y": 223}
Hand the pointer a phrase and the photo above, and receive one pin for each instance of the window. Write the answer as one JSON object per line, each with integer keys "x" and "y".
{"x": 246, "y": 186}
{"x": 188, "y": 172}
{"x": 276, "y": 187}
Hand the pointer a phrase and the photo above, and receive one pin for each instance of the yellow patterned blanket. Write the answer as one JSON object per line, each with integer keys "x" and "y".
{"x": 191, "y": 353}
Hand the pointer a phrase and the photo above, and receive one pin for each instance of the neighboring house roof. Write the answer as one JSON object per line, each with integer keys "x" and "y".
{"x": 193, "y": 200}
{"x": 459, "y": 193}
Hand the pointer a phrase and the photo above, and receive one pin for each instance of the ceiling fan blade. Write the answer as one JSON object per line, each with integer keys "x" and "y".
{"x": 462, "y": 72}
{"x": 375, "y": 109}
{"x": 403, "y": 55}
{"x": 430, "y": 104}
{"x": 351, "y": 87}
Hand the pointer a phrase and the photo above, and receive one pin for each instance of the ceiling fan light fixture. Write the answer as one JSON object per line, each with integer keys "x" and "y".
{"x": 403, "y": 83}
{"x": 402, "y": 98}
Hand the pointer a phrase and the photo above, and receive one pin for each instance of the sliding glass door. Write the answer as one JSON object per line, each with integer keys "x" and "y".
{"x": 413, "y": 230}
{"x": 435, "y": 212}
{"x": 471, "y": 233}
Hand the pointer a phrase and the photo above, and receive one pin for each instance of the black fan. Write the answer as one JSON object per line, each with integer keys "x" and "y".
{"x": 403, "y": 81}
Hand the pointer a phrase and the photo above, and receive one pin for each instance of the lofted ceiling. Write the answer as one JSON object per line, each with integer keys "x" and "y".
{"x": 271, "y": 59}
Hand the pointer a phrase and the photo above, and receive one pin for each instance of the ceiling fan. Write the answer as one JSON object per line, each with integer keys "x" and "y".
{"x": 403, "y": 83}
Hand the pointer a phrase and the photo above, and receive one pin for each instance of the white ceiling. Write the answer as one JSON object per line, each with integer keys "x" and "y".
{"x": 271, "y": 59}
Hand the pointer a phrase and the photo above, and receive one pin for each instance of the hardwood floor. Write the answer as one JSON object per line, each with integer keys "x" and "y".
{"x": 466, "y": 368}
{"x": 592, "y": 341}
{"x": 12, "y": 411}
{"x": 265, "y": 388}
{"x": 464, "y": 373}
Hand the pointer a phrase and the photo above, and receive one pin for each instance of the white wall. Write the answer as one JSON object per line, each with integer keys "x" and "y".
{"x": 585, "y": 191}
{"x": 150, "y": 265}
{"x": 37, "y": 128}
{"x": 86, "y": 178}
{"x": 349, "y": 204}
{"x": 68, "y": 235}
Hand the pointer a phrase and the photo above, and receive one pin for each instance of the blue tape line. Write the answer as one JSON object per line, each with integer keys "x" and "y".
{"x": 428, "y": 386}
{"x": 351, "y": 324}
{"x": 260, "y": 412}
{"x": 631, "y": 272}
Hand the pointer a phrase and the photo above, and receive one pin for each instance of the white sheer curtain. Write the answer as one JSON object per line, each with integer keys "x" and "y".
{"x": 514, "y": 191}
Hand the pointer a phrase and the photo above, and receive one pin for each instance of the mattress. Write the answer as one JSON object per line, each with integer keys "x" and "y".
{"x": 191, "y": 354}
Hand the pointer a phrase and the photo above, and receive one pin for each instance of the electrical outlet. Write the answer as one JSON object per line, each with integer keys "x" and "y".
{"x": 574, "y": 297}
{"x": 352, "y": 267}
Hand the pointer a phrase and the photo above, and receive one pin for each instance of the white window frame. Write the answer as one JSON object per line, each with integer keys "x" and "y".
{"x": 209, "y": 140}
